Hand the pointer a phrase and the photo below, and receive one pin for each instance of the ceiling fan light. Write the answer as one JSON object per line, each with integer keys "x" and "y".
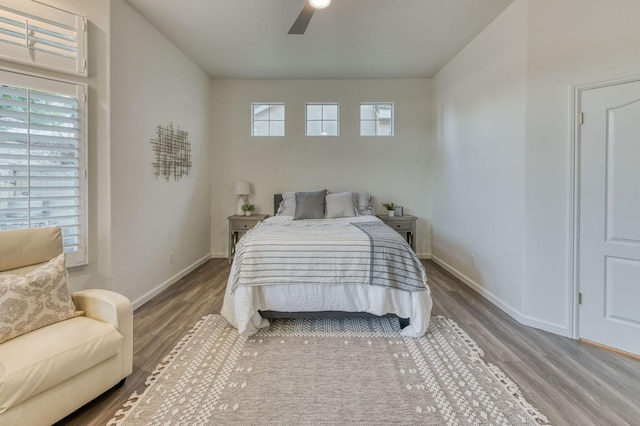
{"x": 319, "y": 4}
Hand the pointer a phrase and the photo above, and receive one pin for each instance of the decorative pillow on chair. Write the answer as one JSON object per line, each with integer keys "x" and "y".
{"x": 340, "y": 205}
{"x": 33, "y": 301}
{"x": 310, "y": 205}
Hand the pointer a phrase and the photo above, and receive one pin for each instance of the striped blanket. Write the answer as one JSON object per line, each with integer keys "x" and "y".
{"x": 361, "y": 251}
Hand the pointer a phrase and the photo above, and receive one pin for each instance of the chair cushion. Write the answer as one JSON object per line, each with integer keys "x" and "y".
{"x": 38, "y": 361}
{"x": 24, "y": 247}
{"x": 38, "y": 299}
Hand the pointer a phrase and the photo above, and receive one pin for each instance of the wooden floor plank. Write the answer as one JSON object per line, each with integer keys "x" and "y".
{"x": 573, "y": 383}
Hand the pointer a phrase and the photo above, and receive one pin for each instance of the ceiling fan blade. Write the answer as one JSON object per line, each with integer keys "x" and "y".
{"x": 302, "y": 21}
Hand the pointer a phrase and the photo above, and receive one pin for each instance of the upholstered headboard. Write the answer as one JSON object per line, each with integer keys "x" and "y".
{"x": 277, "y": 199}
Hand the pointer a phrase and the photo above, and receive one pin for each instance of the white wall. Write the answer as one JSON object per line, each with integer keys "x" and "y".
{"x": 153, "y": 83}
{"x": 478, "y": 160}
{"x": 571, "y": 42}
{"x": 392, "y": 169}
{"x": 560, "y": 45}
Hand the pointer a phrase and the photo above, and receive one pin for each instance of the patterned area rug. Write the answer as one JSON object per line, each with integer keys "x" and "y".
{"x": 329, "y": 372}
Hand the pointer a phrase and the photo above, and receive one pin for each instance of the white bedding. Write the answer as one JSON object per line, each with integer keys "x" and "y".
{"x": 242, "y": 303}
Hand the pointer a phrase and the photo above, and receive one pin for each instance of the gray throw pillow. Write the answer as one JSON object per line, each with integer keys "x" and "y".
{"x": 310, "y": 205}
{"x": 340, "y": 205}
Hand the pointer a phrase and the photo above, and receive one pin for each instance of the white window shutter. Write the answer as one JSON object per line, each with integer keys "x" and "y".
{"x": 43, "y": 37}
{"x": 42, "y": 158}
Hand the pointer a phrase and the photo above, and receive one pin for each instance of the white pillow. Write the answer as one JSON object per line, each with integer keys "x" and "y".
{"x": 363, "y": 203}
{"x": 340, "y": 205}
{"x": 33, "y": 301}
{"x": 287, "y": 206}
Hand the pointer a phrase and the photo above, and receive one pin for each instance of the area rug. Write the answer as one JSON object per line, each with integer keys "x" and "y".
{"x": 327, "y": 372}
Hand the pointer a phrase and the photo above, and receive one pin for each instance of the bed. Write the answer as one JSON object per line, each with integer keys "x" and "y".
{"x": 356, "y": 265}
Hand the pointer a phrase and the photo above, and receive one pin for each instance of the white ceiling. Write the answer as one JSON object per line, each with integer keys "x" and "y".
{"x": 349, "y": 39}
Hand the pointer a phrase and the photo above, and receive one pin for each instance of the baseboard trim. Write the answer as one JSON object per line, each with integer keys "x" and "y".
{"x": 477, "y": 287}
{"x": 158, "y": 289}
{"x": 546, "y": 326}
{"x": 219, "y": 255}
{"x": 518, "y": 316}
{"x": 611, "y": 349}
{"x": 424, "y": 256}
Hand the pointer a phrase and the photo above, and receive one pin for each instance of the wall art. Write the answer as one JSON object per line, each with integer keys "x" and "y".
{"x": 173, "y": 152}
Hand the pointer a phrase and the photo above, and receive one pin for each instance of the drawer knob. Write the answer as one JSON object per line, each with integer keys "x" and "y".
{"x": 245, "y": 225}
{"x": 397, "y": 226}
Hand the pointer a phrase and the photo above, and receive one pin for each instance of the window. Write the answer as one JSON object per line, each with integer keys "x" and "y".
{"x": 267, "y": 120}
{"x": 48, "y": 37}
{"x": 376, "y": 119}
{"x": 322, "y": 120}
{"x": 42, "y": 158}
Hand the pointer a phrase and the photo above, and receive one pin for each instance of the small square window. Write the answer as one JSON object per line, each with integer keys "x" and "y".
{"x": 376, "y": 119}
{"x": 323, "y": 120}
{"x": 267, "y": 119}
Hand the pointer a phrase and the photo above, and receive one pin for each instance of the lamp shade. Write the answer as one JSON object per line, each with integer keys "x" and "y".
{"x": 242, "y": 188}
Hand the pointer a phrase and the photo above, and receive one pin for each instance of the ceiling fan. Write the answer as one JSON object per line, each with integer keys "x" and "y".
{"x": 302, "y": 21}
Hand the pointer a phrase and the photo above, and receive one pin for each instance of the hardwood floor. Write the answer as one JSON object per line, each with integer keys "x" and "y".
{"x": 573, "y": 383}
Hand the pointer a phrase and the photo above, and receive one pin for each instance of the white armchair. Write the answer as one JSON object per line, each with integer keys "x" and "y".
{"x": 50, "y": 372}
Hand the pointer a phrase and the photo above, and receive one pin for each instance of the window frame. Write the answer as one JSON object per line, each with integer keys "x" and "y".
{"x": 269, "y": 104}
{"x": 43, "y": 83}
{"x": 322, "y": 120}
{"x": 392, "y": 125}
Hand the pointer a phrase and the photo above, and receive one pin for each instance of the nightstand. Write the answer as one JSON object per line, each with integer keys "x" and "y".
{"x": 239, "y": 225}
{"x": 404, "y": 225}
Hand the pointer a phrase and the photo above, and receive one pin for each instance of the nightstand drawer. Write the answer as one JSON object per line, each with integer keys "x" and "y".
{"x": 243, "y": 224}
{"x": 400, "y": 225}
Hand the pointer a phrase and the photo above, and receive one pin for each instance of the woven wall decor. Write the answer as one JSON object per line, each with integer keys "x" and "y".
{"x": 173, "y": 152}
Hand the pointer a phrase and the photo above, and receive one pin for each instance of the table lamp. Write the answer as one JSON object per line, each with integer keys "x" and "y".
{"x": 241, "y": 188}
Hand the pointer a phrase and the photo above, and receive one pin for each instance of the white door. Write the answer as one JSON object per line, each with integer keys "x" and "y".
{"x": 609, "y": 236}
